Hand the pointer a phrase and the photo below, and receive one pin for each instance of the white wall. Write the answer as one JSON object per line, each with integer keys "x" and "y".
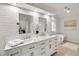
{"x": 8, "y": 27}
{"x": 71, "y": 35}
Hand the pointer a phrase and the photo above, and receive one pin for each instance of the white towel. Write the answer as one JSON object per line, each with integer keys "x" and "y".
{"x": 15, "y": 42}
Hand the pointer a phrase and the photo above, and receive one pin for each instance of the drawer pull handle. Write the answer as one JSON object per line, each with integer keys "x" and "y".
{"x": 50, "y": 46}
{"x": 50, "y": 40}
{"x": 31, "y": 47}
{"x": 42, "y": 43}
{"x": 42, "y": 48}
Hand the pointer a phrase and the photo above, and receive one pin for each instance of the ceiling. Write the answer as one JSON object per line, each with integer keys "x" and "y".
{"x": 58, "y": 8}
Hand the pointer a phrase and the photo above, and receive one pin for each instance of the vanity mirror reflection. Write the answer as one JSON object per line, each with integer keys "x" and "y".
{"x": 43, "y": 25}
{"x": 25, "y": 23}
{"x": 24, "y": 26}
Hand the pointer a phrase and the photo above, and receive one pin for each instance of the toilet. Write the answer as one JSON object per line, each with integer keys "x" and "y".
{"x": 60, "y": 38}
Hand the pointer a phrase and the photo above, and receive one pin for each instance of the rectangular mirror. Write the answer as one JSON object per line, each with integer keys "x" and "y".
{"x": 43, "y": 24}
{"x": 25, "y": 23}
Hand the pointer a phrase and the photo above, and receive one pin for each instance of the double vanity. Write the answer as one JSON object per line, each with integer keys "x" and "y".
{"x": 28, "y": 22}
{"x": 35, "y": 46}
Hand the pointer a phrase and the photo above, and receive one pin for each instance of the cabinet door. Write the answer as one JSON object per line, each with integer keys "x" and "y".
{"x": 24, "y": 50}
{"x": 51, "y": 46}
{"x": 30, "y": 50}
{"x": 13, "y": 52}
{"x": 43, "y": 48}
{"x": 27, "y": 48}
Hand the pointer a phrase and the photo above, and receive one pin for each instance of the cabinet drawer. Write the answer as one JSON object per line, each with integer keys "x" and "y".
{"x": 28, "y": 53}
{"x": 42, "y": 53}
{"x": 29, "y": 47}
{"x": 31, "y": 53}
{"x": 42, "y": 49}
{"x": 42, "y": 43}
{"x": 13, "y": 52}
{"x": 52, "y": 45}
{"x": 52, "y": 40}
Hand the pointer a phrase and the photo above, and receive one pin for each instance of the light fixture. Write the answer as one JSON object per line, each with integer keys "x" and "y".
{"x": 67, "y": 9}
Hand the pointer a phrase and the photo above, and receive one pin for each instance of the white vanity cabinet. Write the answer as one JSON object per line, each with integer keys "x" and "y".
{"x": 43, "y": 47}
{"x": 52, "y": 45}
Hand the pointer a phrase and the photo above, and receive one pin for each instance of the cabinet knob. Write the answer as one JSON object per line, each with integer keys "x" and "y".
{"x": 32, "y": 54}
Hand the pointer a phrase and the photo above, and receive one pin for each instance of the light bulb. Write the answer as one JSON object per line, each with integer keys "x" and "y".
{"x": 68, "y": 11}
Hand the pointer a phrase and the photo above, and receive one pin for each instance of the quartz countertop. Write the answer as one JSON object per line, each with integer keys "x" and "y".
{"x": 29, "y": 41}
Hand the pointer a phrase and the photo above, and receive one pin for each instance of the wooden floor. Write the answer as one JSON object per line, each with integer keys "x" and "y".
{"x": 64, "y": 51}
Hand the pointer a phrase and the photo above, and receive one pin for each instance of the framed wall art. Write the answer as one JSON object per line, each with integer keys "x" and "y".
{"x": 70, "y": 24}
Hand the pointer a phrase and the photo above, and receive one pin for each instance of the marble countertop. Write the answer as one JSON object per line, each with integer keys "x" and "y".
{"x": 29, "y": 41}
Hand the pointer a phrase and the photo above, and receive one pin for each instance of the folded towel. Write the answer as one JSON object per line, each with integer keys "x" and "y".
{"x": 15, "y": 42}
